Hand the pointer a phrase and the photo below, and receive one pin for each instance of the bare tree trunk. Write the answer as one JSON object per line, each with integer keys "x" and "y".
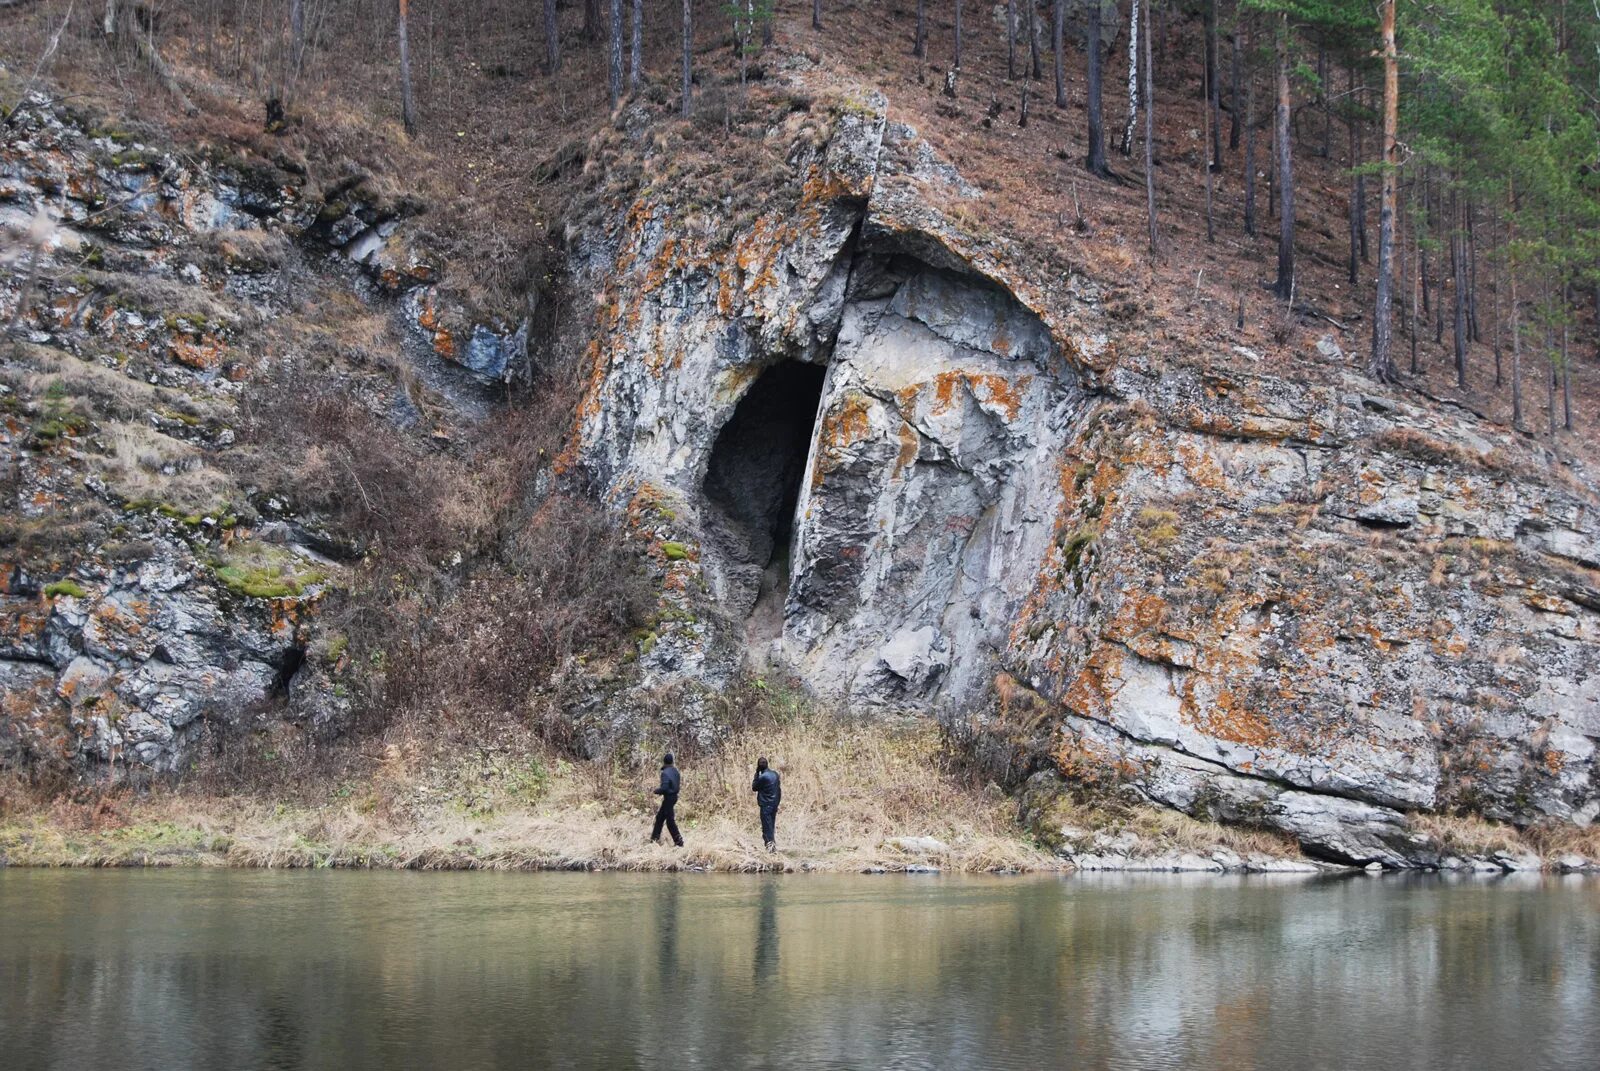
{"x": 1322, "y": 103}
{"x": 919, "y": 46}
{"x": 1566, "y": 362}
{"x": 958, "y": 35}
{"x": 1033, "y": 39}
{"x": 1238, "y": 65}
{"x": 1438, "y": 304}
{"x": 1149, "y": 147}
{"x": 1207, "y": 129}
{"x": 1057, "y": 20}
{"x": 1381, "y": 363}
{"x": 816, "y": 15}
{"x": 1458, "y": 276}
{"x": 297, "y": 44}
{"x": 408, "y": 110}
{"x": 1474, "y": 332}
{"x": 636, "y": 49}
{"x": 1516, "y": 318}
{"x": 1133, "y": 73}
{"x": 1355, "y": 205}
{"x": 1494, "y": 305}
{"x": 591, "y": 20}
{"x": 1285, "y": 283}
{"x": 614, "y": 67}
{"x": 743, "y": 26}
{"x": 1361, "y": 185}
{"x": 1427, "y": 307}
{"x": 1250, "y": 153}
{"x": 1011, "y": 38}
{"x": 1550, "y": 382}
{"x": 1096, "y": 161}
{"x": 1213, "y": 91}
{"x": 1419, "y": 276}
{"x": 552, "y": 38}
{"x": 688, "y": 57}
{"x": 1272, "y": 160}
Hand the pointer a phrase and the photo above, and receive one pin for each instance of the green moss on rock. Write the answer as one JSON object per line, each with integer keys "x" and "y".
{"x": 262, "y": 571}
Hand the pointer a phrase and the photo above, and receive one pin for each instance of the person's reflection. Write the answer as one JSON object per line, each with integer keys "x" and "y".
{"x": 667, "y": 933}
{"x": 766, "y": 960}
{"x": 278, "y": 1036}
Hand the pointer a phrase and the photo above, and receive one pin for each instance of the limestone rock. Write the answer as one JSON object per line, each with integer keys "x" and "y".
{"x": 919, "y": 845}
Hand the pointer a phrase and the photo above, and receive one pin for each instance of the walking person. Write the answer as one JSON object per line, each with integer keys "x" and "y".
{"x": 769, "y": 792}
{"x": 671, "y": 781}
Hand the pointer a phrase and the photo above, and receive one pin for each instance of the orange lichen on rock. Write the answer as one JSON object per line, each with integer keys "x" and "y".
{"x": 910, "y": 446}
{"x": 987, "y": 388}
{"x": 202, "y": 353}
{"x": 1228, "y": 717}
{"x": 444, "y": 343}
{"x": 850, "y": 421}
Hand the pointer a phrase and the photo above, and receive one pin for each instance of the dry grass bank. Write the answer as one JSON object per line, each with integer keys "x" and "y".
{"x": 848, "y": 792}
{"x": 851, "y": 792}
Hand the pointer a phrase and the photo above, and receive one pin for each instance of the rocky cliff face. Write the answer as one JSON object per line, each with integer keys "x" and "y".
{"x": 147, "y": 590}
{"x": 928, "y": 482}
{"x": 868, "y": 444}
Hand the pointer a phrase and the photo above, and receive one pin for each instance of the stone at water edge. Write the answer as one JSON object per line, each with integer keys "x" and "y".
{"x": 919, "y": 845}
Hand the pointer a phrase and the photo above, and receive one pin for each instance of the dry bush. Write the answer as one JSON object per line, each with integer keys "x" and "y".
{"x": 1469, "y": 835}
{"x": 572, "y": 584}
{"x": 309, "y": 437}
{"x": 477, "y": 579}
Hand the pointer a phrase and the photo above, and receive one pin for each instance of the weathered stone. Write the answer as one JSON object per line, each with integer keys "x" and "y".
{"x": 919, "y": 845}
{"x": 1176, "y": 558}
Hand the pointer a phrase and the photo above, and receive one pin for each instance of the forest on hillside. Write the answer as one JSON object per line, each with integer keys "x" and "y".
{"x": 1464, "y": 130}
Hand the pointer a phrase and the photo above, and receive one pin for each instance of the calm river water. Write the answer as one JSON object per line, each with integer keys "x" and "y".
{"x": 241, "y": 969}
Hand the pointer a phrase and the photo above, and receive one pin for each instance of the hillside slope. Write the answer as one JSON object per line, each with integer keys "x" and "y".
{"x": 863, "y": 411}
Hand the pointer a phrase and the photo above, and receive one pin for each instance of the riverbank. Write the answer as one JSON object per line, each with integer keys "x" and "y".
{"x": 856, "y": 799}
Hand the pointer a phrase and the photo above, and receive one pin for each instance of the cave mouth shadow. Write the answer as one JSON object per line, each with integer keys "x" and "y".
{"x": 753, "y": 478}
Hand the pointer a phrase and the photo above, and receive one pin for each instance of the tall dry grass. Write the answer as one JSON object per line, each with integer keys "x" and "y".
{"x": 849, "y": 792}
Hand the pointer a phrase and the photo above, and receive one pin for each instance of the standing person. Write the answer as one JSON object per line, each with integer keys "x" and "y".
{"x": 671, "y": 781}
{"x": 768, "y": 792}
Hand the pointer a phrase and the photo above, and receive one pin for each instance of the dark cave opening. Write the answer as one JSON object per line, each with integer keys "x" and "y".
{"x": 753, "y": 478}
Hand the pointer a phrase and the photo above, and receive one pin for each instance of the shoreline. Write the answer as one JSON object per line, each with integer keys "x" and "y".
{"x": 40, "y": 841}
{"x": 860, "y": 800}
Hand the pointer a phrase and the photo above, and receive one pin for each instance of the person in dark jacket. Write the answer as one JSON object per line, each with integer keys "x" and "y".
{"x": 671, "y": 781}
{"x": 769, "y": 792}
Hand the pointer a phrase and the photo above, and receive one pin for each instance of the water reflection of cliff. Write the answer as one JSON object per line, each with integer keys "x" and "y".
{"x": 613, "y": 971}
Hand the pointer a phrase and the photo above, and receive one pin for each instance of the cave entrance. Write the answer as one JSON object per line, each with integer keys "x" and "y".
{"x": 752, "y": 486}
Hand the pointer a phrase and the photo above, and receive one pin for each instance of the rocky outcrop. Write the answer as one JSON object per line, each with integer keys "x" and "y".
{"x": 1310, "y": 604}
{"x": 145, "y": 594}
{"x": 891, "y": 456}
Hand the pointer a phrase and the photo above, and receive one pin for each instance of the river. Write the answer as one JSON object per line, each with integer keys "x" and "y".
{"x": 285, "y": 970}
